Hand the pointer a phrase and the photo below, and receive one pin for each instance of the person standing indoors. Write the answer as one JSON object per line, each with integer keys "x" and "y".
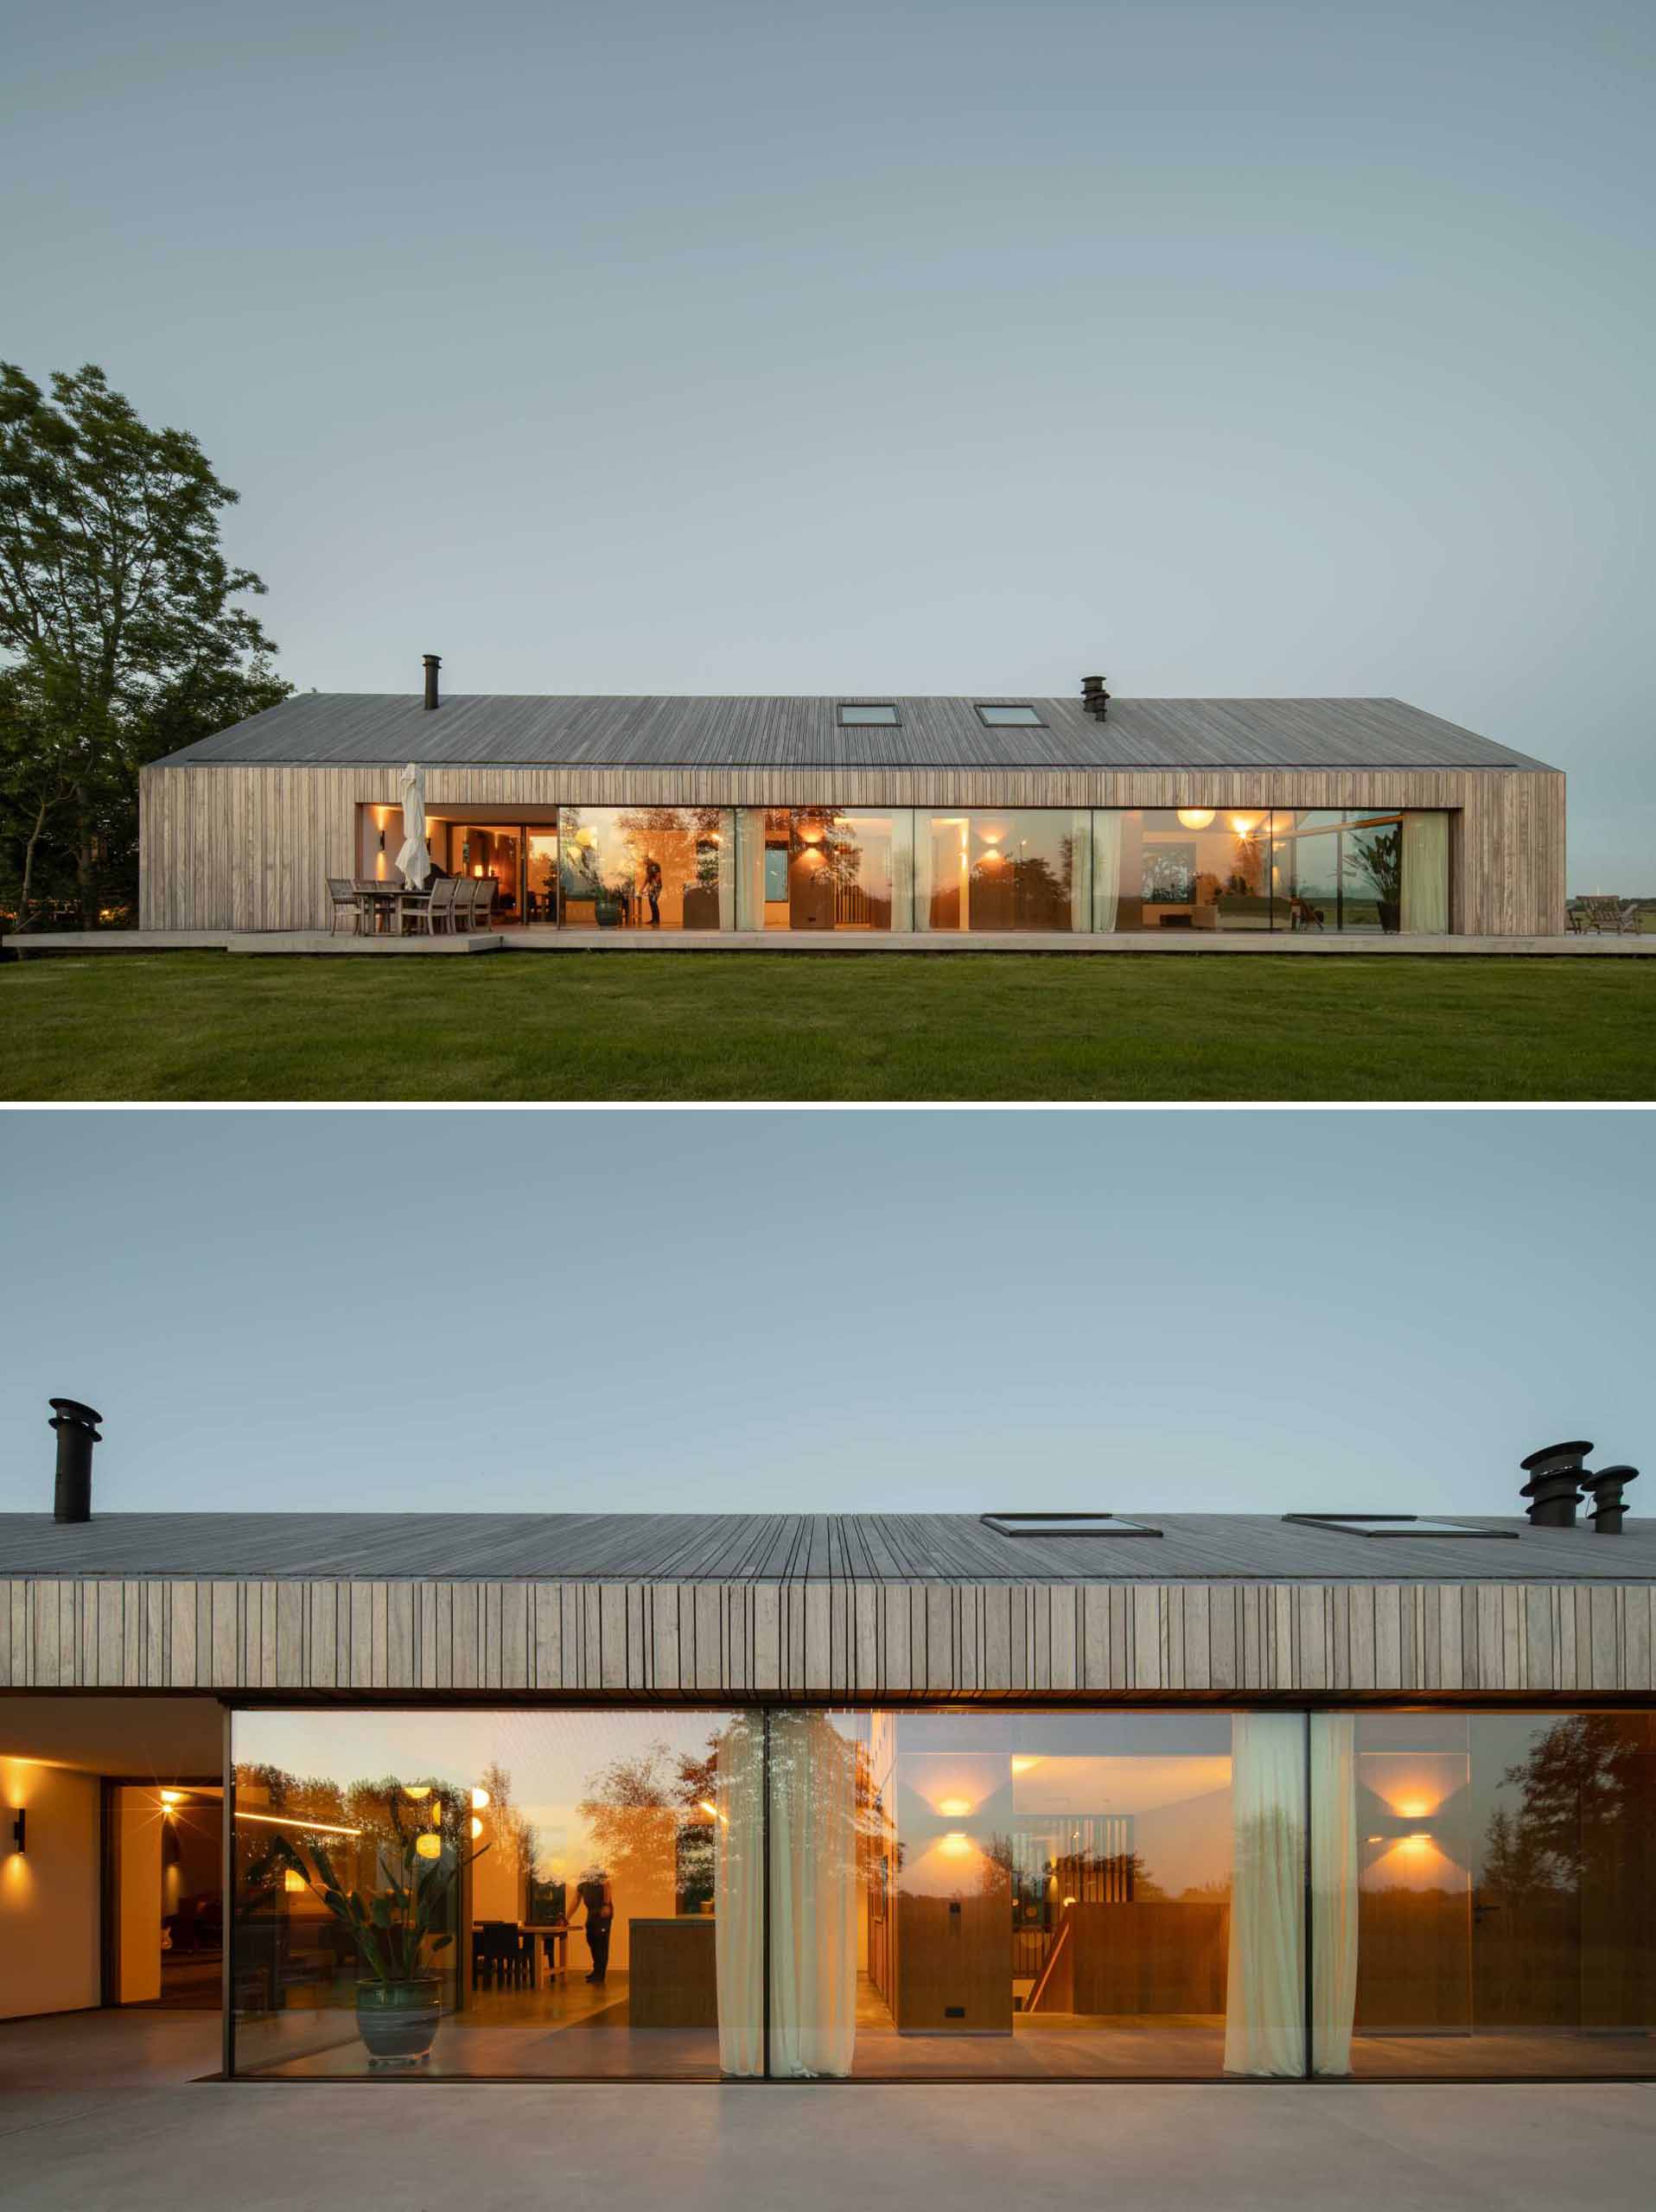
{"x": 654, "y": 886}
{"x": 599, "y": 1900}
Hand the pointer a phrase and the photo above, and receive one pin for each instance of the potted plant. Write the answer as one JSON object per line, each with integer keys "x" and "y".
{"x": 1380, "y": 857}
{"x": 395, "y": 1931}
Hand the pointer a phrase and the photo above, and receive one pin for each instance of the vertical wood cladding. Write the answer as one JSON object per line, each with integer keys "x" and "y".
{"x": 829, "y": 1642}
{"x": 233, "y": 847}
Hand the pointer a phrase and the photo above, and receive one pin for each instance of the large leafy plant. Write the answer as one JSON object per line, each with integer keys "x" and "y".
{"x": 393, "y": 1927}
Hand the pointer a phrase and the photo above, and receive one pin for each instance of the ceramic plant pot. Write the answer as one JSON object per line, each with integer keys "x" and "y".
{"x": 398, "y": 2020}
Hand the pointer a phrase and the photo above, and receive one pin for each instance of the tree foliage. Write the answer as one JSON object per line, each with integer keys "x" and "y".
{"x": 123, "y": 630}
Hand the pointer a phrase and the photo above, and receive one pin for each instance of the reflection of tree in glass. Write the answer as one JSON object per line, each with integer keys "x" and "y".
{"x": 635, "y": 1808}
{"x": 1586, "y": 1794}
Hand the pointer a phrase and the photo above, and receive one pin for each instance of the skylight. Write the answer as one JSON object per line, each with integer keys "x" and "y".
{"x": 1064, "y": 1524}
{"x": 1394, "y": 1524}
{"x": 1009, "y": 717}
{"x": 881, "y": 715}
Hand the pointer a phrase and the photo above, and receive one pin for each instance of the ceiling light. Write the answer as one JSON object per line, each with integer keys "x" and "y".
{"x": 1195, "y": 818}
{"x": 419, "y": 1791}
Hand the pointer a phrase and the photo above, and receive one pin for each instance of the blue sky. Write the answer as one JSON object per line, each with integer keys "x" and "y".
{"x": 928, "y": 1311}
{"x": 1229, "y": 348}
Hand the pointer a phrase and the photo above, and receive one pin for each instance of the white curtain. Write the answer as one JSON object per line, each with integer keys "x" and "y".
{"x": 1106, "y": 870}
{"x": 1264, "y": 2000}
{"x": 1425, "y": 875}
{"x": 1080, "y": 871}
{"x": 814, "y": 1897}
{"x": 750, "y": 868}
{"x": 739, "y": 1896}
{"x": 902, "y": 871}
{"x": 1333, "y": 1890}
{"x": 727, "y": 868}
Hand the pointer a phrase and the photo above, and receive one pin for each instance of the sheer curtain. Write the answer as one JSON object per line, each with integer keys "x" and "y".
{"x": 1106, "y": 870}
{"x": 902, "y": 870}
{"x": 739, "y": 1894}
{"x": 1264, "y": 1999}
{"x": 1425, "y": 875}
{"x": 1334, "y": 1889}
{"x": 814, "y": 1897}
{"x": 1080, "y": 871}
{"x": 727, "y": 868}
{"x": 750, "y": 869}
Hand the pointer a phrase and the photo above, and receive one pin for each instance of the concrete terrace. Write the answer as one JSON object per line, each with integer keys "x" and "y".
{"x": 102, "y": 2108}
{"x": 1165, "y": 942}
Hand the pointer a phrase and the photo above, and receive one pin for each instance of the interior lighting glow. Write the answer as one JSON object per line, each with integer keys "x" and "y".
{"x": 480, "y": 1801}
{"x": 293, "y": 1821}
{"x": 1195, "y": 818}
{"x": 428, "y": 1845}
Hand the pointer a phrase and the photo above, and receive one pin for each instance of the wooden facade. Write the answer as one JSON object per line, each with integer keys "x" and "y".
{"x": 250, "y": 846}
{"x": 834, "y": 1642}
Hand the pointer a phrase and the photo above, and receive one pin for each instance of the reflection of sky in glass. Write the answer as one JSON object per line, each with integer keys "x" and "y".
{"x": 555, "y": 1760}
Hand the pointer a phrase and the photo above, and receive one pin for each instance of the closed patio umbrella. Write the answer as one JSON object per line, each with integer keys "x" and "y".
{"x": 415, "y": 858}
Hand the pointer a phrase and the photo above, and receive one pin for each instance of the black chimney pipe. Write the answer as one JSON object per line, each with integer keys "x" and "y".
{"x": 77, "y": 1429}
{"x": 1556, "y": 1477}
{"x": 1608, "y": 1504}
{"x": 1095, "y": 698}
{"x": 433, "y": 662}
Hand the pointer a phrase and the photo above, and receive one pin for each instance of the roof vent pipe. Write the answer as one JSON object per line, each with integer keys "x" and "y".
{"x": 1556, "y": 1476}
{"x": 433, "y": 662}
{"x": 77, "y": 1429}
{"x": 1608, "y": 1504}
{"x": 1094, "y": 698}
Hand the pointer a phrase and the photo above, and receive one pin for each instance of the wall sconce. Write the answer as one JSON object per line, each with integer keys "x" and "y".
{"x": 16, "y": 1827}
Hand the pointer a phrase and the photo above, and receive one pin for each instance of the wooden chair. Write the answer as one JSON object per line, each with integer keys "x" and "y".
{"x": 342, "y": 892}
{"x": 483, "y": 896}
{"x": 440, "y": 914}
{"x": 465, "y": 896}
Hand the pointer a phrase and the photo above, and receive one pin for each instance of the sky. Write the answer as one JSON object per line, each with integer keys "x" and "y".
{"x": 1224, "y": 348}
{"x": 764, "y": 1310}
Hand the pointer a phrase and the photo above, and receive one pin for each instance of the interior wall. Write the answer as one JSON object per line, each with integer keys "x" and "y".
{"x": 138, "y": 1951}
{"x": 49, "y": 1891}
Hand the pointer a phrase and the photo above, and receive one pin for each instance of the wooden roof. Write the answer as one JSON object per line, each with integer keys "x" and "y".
{"x": 335, "y": 728}
{"x": 934, "y": 1547}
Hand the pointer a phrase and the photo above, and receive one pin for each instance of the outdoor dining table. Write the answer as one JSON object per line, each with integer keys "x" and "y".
{"x": 390, "y": 903}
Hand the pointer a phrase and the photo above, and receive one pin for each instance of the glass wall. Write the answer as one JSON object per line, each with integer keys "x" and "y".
{"x": 454, "y": 1893}
{"x": 669, "y": 867}
{"x": 1002, "y": 869}
{"x": 1037, "y": 1895}
{"x": 1246, "y": 868}
{"x": 974, "y": 1894}
{"x": 1485, "y": 1888}
{"x": 822, "y": 868}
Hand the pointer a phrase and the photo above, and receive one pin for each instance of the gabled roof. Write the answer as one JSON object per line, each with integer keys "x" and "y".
{"x": 931, "y": 1547}
{"x": 351, "y": 728}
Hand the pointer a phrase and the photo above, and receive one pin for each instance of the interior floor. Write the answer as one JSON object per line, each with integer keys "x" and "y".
{"x": 567, "y": 2029}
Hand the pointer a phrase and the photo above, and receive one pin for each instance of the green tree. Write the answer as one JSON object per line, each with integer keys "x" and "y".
{"x": 120, "y": 617}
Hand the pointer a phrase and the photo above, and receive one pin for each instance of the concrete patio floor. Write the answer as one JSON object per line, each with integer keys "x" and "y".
{"x": 1167, "y": 943}
{"x": 77, "y": 2130}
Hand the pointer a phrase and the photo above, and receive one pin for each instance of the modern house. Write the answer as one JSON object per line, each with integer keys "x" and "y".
{"x": 852, "y": 814}
{"x": 892, "y": 1797}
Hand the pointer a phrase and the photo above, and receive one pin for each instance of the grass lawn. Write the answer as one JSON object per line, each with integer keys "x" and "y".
{"x": 730, "y": 1026}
